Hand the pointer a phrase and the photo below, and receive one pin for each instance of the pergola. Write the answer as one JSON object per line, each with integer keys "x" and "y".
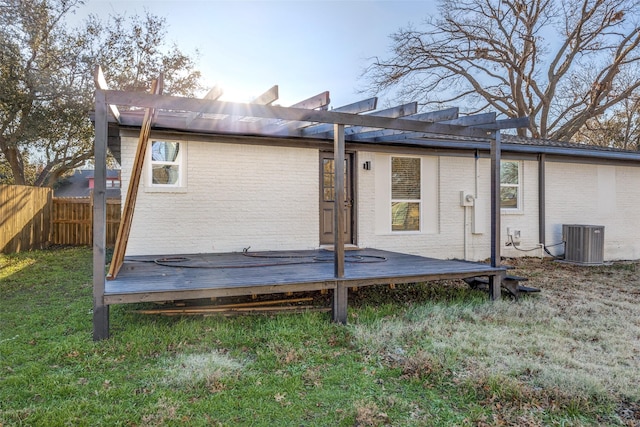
{"x": 310, "y": 119}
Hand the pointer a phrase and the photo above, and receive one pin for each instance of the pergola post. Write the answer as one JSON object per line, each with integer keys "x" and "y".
{"x": 339, "y": 307}
{"x": 340, "y": 292}
{"x": 541, "y": 198}
{"x": 495, "y": 281}
{"x": 100, "y": 310}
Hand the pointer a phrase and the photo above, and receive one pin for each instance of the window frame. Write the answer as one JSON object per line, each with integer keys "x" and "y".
{"x": 519, "y": 199}
{"x": 418, "y": 201}
{"x": 180, "y": 162}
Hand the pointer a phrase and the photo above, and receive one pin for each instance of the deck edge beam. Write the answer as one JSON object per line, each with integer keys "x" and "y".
{"x": 131, "y": 298}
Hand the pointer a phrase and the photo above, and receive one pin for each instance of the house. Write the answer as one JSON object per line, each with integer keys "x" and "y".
{"x": 81, "y": 183}
{"x": 226, "y": 178}
{"x": 223, "y": 193}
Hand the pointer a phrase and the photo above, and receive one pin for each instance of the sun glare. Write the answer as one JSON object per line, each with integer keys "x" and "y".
{"x": 10, "y": 265}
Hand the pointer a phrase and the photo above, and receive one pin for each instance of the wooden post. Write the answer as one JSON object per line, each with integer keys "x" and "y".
{"x": 100, "y": 310}
{"x": 339, "y": 200}
{"x": 541, "y": 198}
{"x": 495, "y": 281}
{"x": 339, "y": 308}
{"x": 340, "y": 293}
{"x": 495, "y": 284}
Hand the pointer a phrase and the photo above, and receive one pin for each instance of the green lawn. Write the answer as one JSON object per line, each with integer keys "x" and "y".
{"x": 418, "y": 355}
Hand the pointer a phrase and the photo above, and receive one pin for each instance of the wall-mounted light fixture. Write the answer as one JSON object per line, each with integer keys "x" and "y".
{"x": 366, "y": 165}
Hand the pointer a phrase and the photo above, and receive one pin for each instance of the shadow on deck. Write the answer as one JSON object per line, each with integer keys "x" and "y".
{"x": 182, "y": 277}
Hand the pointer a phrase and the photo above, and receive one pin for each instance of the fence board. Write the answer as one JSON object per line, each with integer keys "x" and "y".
{"x": 73, "y": 221}
{"x": 114, "y": 209}
{"x": 31, "y": 218}
{"x": 25, "y": 218}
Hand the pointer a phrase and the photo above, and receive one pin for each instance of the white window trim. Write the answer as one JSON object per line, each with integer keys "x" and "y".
{"x": 519, "y": 186}
{"x": 429, "y": 171}
{"x": 418, "y": 201}
{"x": 181, "y": 161}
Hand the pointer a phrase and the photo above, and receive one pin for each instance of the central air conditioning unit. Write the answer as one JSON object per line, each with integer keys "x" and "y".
{"x": 584, "y": 244}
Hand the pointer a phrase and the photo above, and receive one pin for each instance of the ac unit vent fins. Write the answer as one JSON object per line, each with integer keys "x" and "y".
{"x": 584, "y": 244}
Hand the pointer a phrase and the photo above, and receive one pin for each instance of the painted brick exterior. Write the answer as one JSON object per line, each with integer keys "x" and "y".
{"x": 236, "y": 196}
{"x": 267, "y": 198}
{"x": 595, "y": 195}
{"x": 454, "y": 174}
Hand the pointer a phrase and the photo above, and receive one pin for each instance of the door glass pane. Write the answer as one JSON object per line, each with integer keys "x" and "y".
{"x": 329, "y": 178}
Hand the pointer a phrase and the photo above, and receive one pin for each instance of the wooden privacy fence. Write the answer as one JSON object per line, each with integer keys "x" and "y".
{"x": 25, "y": 217}
{"x": 31, "y": 218}
{"x": 72, "y": 221}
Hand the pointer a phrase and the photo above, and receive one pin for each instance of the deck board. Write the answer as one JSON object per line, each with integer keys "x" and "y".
{"x": 149, "y": 278}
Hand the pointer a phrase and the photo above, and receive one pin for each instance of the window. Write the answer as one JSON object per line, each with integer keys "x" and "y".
{"x": 510, "y": 190}
{"x": 166, "y": 164}
{"x": 329, "y": 178}
{"x": 406, "y": 194}
{"x": 113, "y": 183}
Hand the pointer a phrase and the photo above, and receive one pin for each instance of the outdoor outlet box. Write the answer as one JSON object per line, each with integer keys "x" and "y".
{"x": 513, "y": 235}
{"x": 466, "y": 199}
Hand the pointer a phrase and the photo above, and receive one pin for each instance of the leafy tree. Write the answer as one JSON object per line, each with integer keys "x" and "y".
{"x": 132, "y": 52}
{"x": 46, "y": 81}
{"x": 560, "y": 62}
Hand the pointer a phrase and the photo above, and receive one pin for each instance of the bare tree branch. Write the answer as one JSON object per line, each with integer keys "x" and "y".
{"x": 556, "y": 61}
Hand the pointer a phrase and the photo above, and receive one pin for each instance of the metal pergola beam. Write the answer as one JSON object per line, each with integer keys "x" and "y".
{"x": 321, "y": 101}
{"x": 325, "y": 130}
{"x": 473, "y": 120}
{"x": 175, "y": 103}
{"x": 101, "y": 83}
{"x": 267, "y": 98}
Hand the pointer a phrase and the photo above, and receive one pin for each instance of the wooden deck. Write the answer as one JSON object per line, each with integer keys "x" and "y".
{"x": 181, "y": 277}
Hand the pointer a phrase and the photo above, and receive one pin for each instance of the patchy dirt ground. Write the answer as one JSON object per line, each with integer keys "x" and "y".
{"x": 600, "y": 309}
{"x": 578, "y": 340}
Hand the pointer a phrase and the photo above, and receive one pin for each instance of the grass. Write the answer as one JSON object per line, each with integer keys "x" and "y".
{"x": 418, "y": 355}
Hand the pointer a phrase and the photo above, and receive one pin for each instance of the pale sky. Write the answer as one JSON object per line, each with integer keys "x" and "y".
{"x": 304, "y": 46}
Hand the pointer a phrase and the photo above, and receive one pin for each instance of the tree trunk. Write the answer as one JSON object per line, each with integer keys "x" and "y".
{"x": 14, "y": 158}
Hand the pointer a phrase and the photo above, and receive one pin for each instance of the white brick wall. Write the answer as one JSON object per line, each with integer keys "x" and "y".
{"x": 237, "y": 196}
{"x": 453, "y": 174}
{"x": 527, "y": 219}
{"x": 445, "y": 239}
{"x": 596, "y": 195}
{"x": 575, "y": 194}
{"x": 267, "y": 198}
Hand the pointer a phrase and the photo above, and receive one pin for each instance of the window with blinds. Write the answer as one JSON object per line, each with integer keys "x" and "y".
{"x": 406, "y": 194}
